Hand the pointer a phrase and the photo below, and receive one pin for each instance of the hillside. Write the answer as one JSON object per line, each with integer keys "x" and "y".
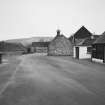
{"x": 28, "y": 41}
{"x": 11, "y": 47}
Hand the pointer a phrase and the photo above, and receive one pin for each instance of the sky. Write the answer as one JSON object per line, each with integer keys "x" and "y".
{"x": 31, "y": 18}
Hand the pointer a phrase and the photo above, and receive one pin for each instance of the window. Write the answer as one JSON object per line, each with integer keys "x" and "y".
{"x": 89, "y": 50}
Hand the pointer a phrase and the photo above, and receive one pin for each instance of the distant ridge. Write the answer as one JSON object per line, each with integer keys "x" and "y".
{"x": 28, "y": 41}
{"x": 11, "y": 47}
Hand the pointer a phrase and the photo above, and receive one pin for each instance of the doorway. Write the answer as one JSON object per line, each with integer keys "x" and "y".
{"x": 77, "y": 52}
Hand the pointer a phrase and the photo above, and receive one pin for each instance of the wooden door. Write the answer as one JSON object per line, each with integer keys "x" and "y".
{"x": 77, "y": 52}
{"x": 104, "y": 55}
{"x": 0, "y": 58}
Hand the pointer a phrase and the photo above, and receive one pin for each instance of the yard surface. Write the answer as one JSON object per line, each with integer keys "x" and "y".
{"x": 48, "y": 80}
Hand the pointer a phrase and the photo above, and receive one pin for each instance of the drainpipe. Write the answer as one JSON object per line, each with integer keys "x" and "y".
{"x": 91, "y": 53}
{"x": 104, "y": 55}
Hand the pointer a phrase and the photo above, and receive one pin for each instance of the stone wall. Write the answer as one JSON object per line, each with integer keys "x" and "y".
{"x": 60, "y": 46}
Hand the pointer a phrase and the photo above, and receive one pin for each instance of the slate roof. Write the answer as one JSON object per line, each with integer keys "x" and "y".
{"x": 59, "y": 37}
{"x": 100, "y": 40}
{"x": 40, "y": 44}
{"x": 88, "y": 41}
{"x": 82, "y": 33}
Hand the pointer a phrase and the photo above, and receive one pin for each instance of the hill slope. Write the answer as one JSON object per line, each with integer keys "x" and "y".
{"x": 28, "y": 41}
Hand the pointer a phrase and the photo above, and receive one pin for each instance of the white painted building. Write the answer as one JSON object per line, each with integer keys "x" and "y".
{"x": 83, "y": 49}
{"x": 81, "y": 52}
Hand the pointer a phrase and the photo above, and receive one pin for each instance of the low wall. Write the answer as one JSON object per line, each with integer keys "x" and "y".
{"x": 97, "y": 60}
{"x": 13, "y": 53}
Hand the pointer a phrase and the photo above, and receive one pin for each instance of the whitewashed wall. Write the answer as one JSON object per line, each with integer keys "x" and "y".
{"x": 74, "y": 52}
{"x": 97, "y": 60}
{"x": 82, "y": 52}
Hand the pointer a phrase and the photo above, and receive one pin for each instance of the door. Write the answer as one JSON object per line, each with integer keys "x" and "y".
{"x": 77, "y": 52}
{"x": 0, "y": 58}
{"x": 104, "y": 55}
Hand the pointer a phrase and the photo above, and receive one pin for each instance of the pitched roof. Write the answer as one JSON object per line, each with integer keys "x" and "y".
{"x": 58, "y": 37}
{"x": 82, "y": 33}
{"x": 100, "y": 40}
{"x": 86, "y": 42}
{"x": 40, "y": 44}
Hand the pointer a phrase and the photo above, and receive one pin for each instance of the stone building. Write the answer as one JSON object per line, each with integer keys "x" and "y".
{"x": 40, "y": 47}
{"x": 60, "y": 45}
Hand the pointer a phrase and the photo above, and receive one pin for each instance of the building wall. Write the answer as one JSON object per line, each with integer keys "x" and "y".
{"x": 82, "y": 52}
{"x": 74, "y": 52}
{"x": 60, "y": 46}
{"x": 32, "y": 49}
{"x": 104, "y": 54}
{"x": 10, "y": 53}
{"x": 97, "y": 60}
{"x": 41, "y": 49}
{"x": 98, "y": 55}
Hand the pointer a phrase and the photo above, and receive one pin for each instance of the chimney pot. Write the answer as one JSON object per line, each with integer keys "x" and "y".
{"x": 58, "y": 32}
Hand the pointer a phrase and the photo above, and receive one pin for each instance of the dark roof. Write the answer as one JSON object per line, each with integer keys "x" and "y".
{"x": 60, "y": 37}
{"x": 82, "y": 33}
{"x": 88, "y": 41}
{"x": 40, "y": 44}
{"x": 96, "y": 36}
{"x": 84, "y": 41}
{"x": 4, "y": 46}
{"x": 71, "y": 38}
{"x": 100, "y": 40}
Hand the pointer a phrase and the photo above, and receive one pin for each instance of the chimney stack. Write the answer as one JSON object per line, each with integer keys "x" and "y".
{"x": 58, "y": 32}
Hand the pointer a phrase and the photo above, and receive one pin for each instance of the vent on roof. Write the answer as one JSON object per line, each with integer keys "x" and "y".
{"x": 92, "y": 37}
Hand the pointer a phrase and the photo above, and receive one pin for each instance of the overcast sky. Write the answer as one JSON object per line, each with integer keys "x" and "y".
{"x": 27, "y": 18}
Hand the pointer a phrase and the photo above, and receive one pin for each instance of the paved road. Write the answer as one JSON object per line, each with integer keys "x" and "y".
{"x": 42, "y": 80}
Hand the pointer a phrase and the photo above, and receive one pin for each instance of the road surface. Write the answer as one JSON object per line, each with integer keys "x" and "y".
{"x": 45, "y": 80}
